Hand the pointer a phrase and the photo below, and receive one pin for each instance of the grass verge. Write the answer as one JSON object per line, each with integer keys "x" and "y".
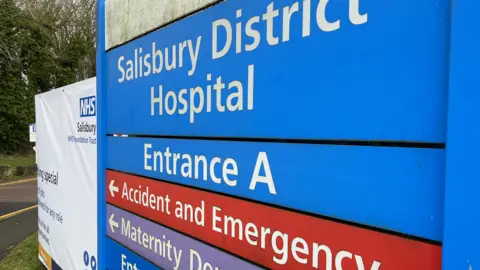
{"x": 17, "y": 167}
{"x": 24, "y": 256}
{"x": 16, "y": 161}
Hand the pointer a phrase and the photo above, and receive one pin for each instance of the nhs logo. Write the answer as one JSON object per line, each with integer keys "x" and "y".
{"x": 87, "y": 106}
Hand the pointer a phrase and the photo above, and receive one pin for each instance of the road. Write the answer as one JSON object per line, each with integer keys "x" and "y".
{"x": 18, "y": 216}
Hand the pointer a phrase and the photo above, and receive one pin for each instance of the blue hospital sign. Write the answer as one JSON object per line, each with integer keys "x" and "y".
{"x": 287, "y": 69}
{"x": 293, "y": 134}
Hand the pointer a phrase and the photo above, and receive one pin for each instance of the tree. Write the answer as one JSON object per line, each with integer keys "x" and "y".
{"x": 67, "y": 29}
{"x": 15, "y": 97}
{"x": 44, "y": 44}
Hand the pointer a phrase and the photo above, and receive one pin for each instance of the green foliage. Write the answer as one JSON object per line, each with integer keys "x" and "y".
{"x": 44, "y": 44}
{"x": 15, "y": 97}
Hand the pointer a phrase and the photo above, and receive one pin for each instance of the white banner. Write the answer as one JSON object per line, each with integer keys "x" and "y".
{"x": 67, "y": 182}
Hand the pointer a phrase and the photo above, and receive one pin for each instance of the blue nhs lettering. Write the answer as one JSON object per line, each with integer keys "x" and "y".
{"x": 87, "y": 106}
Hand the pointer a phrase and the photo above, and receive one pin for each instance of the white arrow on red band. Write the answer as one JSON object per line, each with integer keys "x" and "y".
{"x": 113, "y": 188}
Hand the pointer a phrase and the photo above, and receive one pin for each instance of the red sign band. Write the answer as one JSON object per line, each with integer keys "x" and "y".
{"x": 269, "y": 236}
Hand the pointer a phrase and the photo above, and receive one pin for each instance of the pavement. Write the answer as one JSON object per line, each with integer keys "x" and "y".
{"x": 18, "y": 213}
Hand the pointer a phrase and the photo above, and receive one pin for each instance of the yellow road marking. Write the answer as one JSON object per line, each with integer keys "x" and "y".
{"x": 18, "y": 212}
{"x": 18, "y": 182}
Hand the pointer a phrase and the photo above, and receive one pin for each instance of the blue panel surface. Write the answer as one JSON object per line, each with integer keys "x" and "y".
{"x": 461, "y": 249}
{"x": 382, "y": 75}
{"x": 121, "y": 258}
{"x": 398, "y": 189}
